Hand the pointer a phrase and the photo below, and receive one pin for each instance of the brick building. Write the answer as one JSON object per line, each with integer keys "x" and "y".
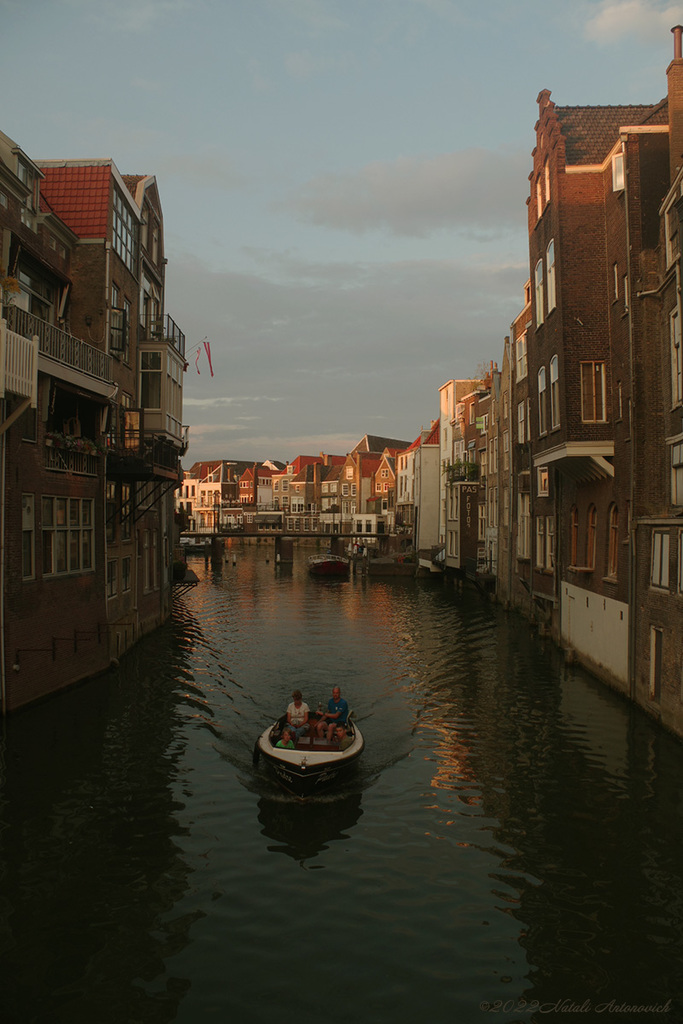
{"x": 594, "y": 372}
{"x": 91, "y": 443}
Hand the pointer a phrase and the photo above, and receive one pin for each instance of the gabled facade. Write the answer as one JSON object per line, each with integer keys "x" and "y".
{"x": 94, "y": 467}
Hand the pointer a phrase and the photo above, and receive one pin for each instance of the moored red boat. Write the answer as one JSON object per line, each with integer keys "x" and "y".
{"x": 328, "y": 565}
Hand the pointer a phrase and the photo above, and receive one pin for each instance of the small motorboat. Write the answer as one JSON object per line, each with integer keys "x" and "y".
{"x": 314, "y": 765}
{"x": 329, "y": 565}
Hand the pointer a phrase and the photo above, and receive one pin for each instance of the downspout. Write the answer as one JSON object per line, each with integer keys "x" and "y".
{"x": 632, "y": 573}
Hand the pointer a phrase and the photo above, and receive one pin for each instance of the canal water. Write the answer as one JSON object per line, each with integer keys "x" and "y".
{"x": 510, "y": 849}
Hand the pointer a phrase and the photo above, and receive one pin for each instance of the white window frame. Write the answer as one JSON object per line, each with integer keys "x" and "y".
{"x": 542, "y": 402}
{"x": 538, "y": 292}
{"x": 521, "y": 365}
{"x": 593, "y": 392}
{"x": 659, "y": 565}
{"x": 677, "y": 473}
{"x": 676, "y": 358}
{"x": 550, "y": 270}
{"x": 554, "y": 393}
{"x": 618, "y": 172}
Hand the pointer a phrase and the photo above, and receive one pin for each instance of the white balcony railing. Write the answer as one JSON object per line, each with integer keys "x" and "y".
{"x": 18, "y": 364}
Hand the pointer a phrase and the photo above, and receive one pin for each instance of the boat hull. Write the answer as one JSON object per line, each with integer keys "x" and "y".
{"x": 329, "y": 566}
{"x": 309, "y": 770}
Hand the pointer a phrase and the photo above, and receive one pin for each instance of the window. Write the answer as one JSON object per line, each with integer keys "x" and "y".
{"x": 591, "y": 536}
{"x": 349, "y": 472}
{"x": 506, "y": 450}
{"x": 542, "y": 479}
{"x": 659, "y": 575}
{"x": 124, "y": 231}
{"x": 493, "y": 506}
{"x": 538, "y": 278}
{"x": 150, "y": 380}
{"x": 521, "y": 422}
{"x": 112, "y": 578}
{"x": 613, "y": 548}
{"x": 524, "y": 527}
{"x": 626, "y": 293}
{"x": 125, "y": 574}
{"x": 126, "y": 512}
{"x": 546, "y": 168}
{"x": 574, "y": 536}
{"x": 542, "y": 403}
{"x": 672, "y": 234}
{"x": 481, "y": 532}
{"x": 554, "y": 393}
{"x": 676, "y": 360}
{"x": 593, "y": 392}
{"x": 677, "y": 473}
{"x": 550, "y": 269}
{"x": 28, "y": 566}
{"x": 540, "y": 542}
{"x": 616, "y": 280}
{"x": 67, "y": 535}
{"x": 539, "y": 197}
{"x": 618, "y": 172}
{"x": 521, "y": 357}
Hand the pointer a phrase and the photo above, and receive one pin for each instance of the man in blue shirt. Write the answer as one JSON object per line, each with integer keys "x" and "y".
{"x": 336, "y": 714}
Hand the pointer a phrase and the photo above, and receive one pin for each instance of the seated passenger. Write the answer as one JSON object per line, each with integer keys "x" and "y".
{"x": 297, "y": 715}
{"x": 341, "y": 739}
{"x": 336, "y": 714}
{"x": 286, "y": 742}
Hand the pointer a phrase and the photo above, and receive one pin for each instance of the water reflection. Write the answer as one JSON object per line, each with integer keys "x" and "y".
{"x": 303, "y": 831}
{"x": 514, "y": 828}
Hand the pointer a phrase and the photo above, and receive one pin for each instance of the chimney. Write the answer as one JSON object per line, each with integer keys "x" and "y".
{"x": 674, "y": 74}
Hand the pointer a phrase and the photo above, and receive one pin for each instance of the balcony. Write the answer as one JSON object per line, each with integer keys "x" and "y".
{"x": 462, "y": 472}
{"x": 142, "y": 455}
{"x": 63, "y": 348}
{"x": 162, "y": 329}
{"x": 18, "y": 364}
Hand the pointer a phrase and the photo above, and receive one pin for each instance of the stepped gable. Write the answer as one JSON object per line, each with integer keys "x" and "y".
{"x": 590, "y": 132}
{"x": 79, "y": 195}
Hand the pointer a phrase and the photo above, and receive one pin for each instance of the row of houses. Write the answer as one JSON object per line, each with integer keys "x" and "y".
{"x": 329, "y": 492}
{"x": 91, "y": 433}
{"x": 556, "y": 481}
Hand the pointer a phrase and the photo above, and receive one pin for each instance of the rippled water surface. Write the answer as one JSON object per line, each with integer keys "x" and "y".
{"x": 510, "y": 848}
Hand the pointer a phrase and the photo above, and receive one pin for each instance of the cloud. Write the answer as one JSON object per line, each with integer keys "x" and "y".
{"x": 304, "y": 64}
{"x": 208, "y": 169}
{"x": 643, "y": 19}
{"x": 216, "y": 403}
{"x": 330, "y": 351}
{"x": 479, "y": 191}
{"x": 132, "y": 16}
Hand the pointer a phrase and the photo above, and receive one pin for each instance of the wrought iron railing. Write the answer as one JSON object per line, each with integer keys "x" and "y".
{"x": 60, "y": 345}
{"x": 63, "y": 460}
{"x": 162, "y": 328}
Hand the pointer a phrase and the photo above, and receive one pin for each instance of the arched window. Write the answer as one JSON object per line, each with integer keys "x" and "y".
{"x": 574, "y": 538}
{"x": 538, "y": 292}
{"x": 554, "y": 393}
{"x": 539, "y": 197}
{"x": 550, "y": 269}
{"x": 542, "y": 402}
{"x": 546, "y": 168}
{"x": 590, "y": 536}
{"x": 613, "y": 550}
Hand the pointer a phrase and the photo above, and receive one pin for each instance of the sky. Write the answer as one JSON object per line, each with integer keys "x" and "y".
{"x": 343, "y": 182}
